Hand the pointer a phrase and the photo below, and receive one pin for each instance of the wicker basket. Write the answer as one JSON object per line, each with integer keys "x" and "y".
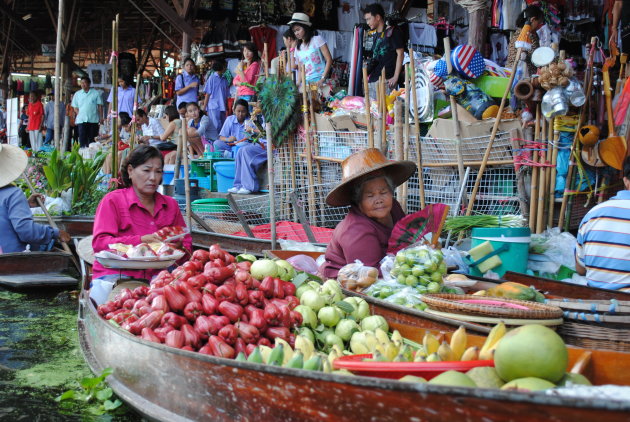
{"x": 454, "y": 304}
{"x": 598, "y": 324}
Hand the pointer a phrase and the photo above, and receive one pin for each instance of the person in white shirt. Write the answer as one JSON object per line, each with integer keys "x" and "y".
{"x": 151, "y": 128}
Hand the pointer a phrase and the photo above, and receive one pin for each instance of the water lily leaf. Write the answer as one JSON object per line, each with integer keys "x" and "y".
{"x": 104, "y": 394}
{"x": 66, "y": 396}
{"x": 111, "y": 405}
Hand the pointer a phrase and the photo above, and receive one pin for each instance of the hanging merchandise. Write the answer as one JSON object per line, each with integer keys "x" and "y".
{"x": 554, "y": 103}
{"x": 278, "y": 101}
{"x": 467, "y": 61}
{"x": 261, "y": 35}
{"x": 473, "y": 99}
{"x": 424, "y": 94}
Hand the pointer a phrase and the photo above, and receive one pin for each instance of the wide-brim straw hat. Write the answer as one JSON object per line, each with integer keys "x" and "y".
{"x": 363, "y": 164}
{"x": 13, "y": 162}
{"x": 300, "y": 18}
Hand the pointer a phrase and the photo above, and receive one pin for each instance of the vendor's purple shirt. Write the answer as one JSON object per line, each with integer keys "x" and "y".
{"x": 182, "y": 80}
{"x": 358, "y": 237}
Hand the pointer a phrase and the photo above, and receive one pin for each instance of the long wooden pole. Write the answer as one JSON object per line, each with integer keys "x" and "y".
{"x": 57, "y": 117}
{"x": 458, "y": 138}
{"x": 383, "y": 102}
{"x": 542, "y": 179}
{"x": 569, "y": 178}
{"x": 416, "y": 120}
{"x": 272, "y": 187}
{"x": 398, "y": 137}
{"x": 114, "y": 116}
{"x": 184, "y": 135}
{"x": 368, "y": 114}
{"x": 134, "y": 124}
{"x": 533, "y": 193}
{"x": 309, "y": 152}
{"x": 265, "y": 61}
{"x": 493, "y": 136}
{"x": 552, "y": 176}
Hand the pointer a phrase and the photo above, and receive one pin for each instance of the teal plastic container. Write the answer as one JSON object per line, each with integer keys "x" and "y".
{"x": 210, "y": 205}
{"x": 225, "y": 171}
{"x": 516, "y": 238}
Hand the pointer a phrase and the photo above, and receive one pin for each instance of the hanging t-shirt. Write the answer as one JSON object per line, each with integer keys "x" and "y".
{"x": 499, "y": 44}
{"x": 422, "y": 34}
{"x": 384, "y": 46}
{"x": 261, "y": 35}
{"x": 348, "y": 14}
{"x": 312, "y": 58}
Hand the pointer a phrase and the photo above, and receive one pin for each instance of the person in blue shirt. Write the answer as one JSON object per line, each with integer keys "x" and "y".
{"x": 198, "y": 128}
{"x": 49, "y": 118}
{"x": 17, "y": 228}
{"x": 187, "y": 83}
{"x": 215, "y": 101}
{"x": 233, "y": 129}
{"x": 125, "y": 94}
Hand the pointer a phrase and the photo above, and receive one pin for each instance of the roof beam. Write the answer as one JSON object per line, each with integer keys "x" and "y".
{"x": 18, "y": 22}
{"x": 172, "y": 17}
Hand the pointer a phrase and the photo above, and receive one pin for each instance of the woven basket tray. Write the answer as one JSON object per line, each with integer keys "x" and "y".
{"x": 606, "y": 312}
{"x": 452, "y": 303}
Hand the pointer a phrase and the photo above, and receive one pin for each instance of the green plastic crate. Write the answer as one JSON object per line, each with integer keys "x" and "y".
{"x": 211, "y": 205}
{"x": 203, "y": 168}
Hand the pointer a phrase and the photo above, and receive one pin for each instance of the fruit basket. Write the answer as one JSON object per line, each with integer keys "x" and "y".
{"x": 395, "y": 370}
{"x": 490, "y": 307}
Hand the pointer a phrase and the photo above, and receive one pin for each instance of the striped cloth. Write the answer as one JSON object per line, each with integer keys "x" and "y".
{"x": 603, "y": 243}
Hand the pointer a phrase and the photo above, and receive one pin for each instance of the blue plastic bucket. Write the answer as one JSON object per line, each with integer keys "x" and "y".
{"x": 225, "y": 171}
{"x": 515, "y": 258}
{"x": 169, "y": 173}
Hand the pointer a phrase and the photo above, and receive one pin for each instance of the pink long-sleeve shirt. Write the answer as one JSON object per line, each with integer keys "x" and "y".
{"x": 121, "y": 218}
{"x": 251, "y": 76}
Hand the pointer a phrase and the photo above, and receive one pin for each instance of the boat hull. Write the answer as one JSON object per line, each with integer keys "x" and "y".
{"x": 23, "y": 270}
{"x": 168, "y": 384}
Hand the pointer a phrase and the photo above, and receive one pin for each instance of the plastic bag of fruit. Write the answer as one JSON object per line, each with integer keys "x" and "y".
{"x": 356, "y": 276}
{"x": 408, "y": 297}
{"x": 419, "y": 266}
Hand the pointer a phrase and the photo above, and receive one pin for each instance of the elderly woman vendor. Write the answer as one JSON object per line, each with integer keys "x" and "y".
{"x": 134, "y": 214}
{"x": 17, "y": 228}
{"x": 368, "y": 183}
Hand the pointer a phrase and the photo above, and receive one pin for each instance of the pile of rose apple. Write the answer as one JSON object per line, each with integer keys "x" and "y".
{"x": 211, "y": 304}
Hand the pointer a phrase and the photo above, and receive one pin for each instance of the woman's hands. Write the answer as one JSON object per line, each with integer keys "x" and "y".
{"x": 150, "y": 238}
{"x": 64, "y": 236}
{"x": 32, "y": 200}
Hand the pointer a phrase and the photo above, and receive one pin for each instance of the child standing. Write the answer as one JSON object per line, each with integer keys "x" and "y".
{"x": 35, "y": 114}
{"x": 216, "y": 90}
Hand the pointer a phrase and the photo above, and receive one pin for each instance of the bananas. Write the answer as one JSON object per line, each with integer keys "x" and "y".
{"x": 458, "y": 343}
{"x": 492, "y": 341}
{"x": 472, "y": 353}
{"x": 430, "y": 343}
{"x": 445, "y": 353}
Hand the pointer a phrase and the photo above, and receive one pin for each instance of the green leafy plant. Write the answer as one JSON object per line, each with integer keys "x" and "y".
{"x": 58, "y": 174}
{"x": 95, "y": 392}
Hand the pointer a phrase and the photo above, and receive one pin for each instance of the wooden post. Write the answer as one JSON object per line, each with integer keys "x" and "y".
{"x": 314, "y": 135}
{"x": 57, "y": 120}
{"x": 398, "y": 137}
{"x": 552, "y": 176}
{"x": 406, "y": 136}
{"x": 477, "y": 28}
{"x": 181, "y": 149}
{"x": 309, "y": 152}
{"x": 383, "y": 102}
{"x": 134, "y": 124}
{"x": 272, "y": 188}
{"x": 458, "y": 139}
{"x": 184, "y": 135}
{"x": 416, "y": 119}
{"x": 265, "y": 61}
{"x": 533, "y": 193}
{"x": 542, "y": 180}
{"x": 114, "y": 116}
{"x": 368, "y": 114}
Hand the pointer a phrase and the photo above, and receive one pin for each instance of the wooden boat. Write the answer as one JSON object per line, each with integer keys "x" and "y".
{"x": 168, "y": 384}
{"x": 22, "y": 270}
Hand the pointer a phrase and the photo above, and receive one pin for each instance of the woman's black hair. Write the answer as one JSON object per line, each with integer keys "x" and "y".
{"x": 241, "y": 102}
{"x": 309, "y": 33}
{"x": 251, "y": 47}
{"x": 125, "y": 118}
{"x": 529, "y": 12}
{"x": 141, "y": 113}
{"x": 183, "y": 105}
{"x": 138, "y": 157}
{"x": 188, "y": 59}
{"x": 289, "y": 34}
{"x": 171, "y": 113}
{"x": 192, "y": 103}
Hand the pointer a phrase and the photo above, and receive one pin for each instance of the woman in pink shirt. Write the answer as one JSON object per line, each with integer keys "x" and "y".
{"x": 247, "y": 72}
{"x": 134, "y": 214}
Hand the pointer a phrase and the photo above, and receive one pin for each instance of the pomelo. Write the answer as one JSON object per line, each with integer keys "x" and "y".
{"x": 531, "y": 351}
{"x": 485, "y": 377}
{"x": 453, "y": 379}
{"x": 412, "y": 378}
{"x": 578, "y": 379}
{"x": 528, "y": 384}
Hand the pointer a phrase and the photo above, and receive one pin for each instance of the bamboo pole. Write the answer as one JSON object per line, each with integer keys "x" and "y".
{"x": 458, "y": 138}
{"x": 309, "y": 152}
{"x": 405, "y": 118}
{"x": 265, "y": 61}
{"x": 178, "y": 155}
{"x": 552, "y": 176}
{"x": 368, "y": 114}
{"x": 114, "y": 116}
{"x": 184, "y": 137}
{"x": 533, "y": 193}
{"x": 57, "y": 117}
{"x": 383, "y": 101}
{"x": 542, "y": 181}
{"x": 272, "y": 188}
{"x": 493, "y": 134}
{"x": 314, "y": 131}
{"x": 398, "y": 137}
{"x": 416, "y": 120}
{"x": 134, "y": 124}
{"x": 571, "y": 170}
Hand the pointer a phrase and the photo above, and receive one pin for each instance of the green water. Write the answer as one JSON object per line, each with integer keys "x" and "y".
{"x": 40, "y": 359}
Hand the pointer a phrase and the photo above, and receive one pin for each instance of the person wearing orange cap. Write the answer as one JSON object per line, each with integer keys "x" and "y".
{"x": 367, "y": 185}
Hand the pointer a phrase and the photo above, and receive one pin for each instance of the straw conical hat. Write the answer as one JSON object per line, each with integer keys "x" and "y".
{"x": 364, "y": 163}
{"x": 13, "y": 162}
